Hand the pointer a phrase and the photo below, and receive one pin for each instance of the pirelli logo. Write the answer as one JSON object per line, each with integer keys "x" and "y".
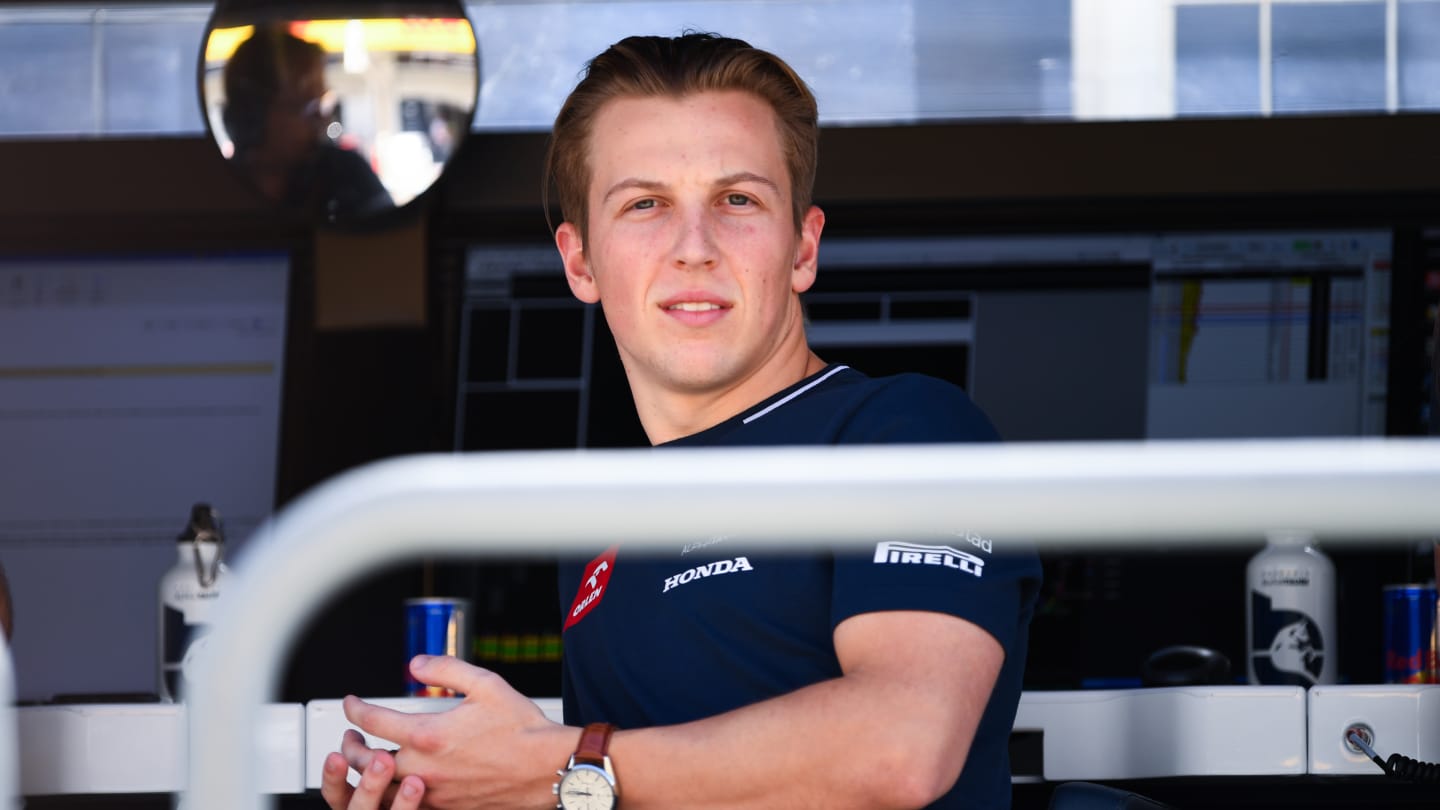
{"x": 895, "y": 553}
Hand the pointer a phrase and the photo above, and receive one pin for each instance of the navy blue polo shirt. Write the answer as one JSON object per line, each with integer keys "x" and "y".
{"x": 717, "y": 623}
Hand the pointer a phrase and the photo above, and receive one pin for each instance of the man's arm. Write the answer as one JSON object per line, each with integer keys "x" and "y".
{"x": 893, "y": 731}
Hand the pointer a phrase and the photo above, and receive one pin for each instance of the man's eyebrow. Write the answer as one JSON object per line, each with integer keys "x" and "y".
{"x": 633, "y": 182}
{"x": 748, "y": 177}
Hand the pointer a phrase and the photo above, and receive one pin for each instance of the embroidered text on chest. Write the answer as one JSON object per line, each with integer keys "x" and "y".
{"x": 716, "y": 568}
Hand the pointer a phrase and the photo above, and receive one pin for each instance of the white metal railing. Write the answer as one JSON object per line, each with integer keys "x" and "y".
{"x": 9, "y": 735}
{"x": 577, "y": 501}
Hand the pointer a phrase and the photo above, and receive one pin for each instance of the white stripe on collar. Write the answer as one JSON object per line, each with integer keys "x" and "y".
{"x": 793, "y": 394}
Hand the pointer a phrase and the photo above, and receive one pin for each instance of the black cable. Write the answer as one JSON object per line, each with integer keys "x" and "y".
{"x": 1400, "y": 766}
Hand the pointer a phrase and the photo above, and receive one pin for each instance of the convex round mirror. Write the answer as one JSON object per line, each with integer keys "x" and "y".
{"x": 346, "y": 112}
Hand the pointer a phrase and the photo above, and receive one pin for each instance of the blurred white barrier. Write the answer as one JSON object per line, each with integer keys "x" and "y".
{"x": 9, "y": 737}
{"x": 510, "y": 503}
{"x": 91, "y": 748}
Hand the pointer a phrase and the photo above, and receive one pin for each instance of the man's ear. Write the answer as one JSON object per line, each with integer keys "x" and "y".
{"x": 577, "y": 266}
{"x": 807, "y": 251}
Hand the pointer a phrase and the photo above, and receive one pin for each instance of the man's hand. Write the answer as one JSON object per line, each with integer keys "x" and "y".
{"x": 495, "y": 749}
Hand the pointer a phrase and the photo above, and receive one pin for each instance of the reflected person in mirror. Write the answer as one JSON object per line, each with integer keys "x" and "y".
{"x": 276, "y": 112}
{"x": 718, "y": 672}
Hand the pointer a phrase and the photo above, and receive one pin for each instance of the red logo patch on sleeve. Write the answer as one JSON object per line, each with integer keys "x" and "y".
{"x": 592, "y": 586}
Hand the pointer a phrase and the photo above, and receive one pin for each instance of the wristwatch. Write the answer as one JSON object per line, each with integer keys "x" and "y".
{"x": 588, "y": 781}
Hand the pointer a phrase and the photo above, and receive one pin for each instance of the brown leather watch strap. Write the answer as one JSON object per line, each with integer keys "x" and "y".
{"x": 594, "y": 742}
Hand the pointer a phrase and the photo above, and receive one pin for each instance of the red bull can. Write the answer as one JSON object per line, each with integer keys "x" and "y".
{"x": 435, "y": 626}
{"x": 1410, "y": 630}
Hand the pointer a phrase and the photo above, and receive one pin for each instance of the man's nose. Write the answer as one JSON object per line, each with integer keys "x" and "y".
{"x": 695, "y": 247}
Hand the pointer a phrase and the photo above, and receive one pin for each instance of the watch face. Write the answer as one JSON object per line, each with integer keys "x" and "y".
{"x": 586, "y": 787}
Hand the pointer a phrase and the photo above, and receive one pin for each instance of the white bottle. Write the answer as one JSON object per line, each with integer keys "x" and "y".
{"x": 188, "y": 592}
{"x": 1290, "y": 633}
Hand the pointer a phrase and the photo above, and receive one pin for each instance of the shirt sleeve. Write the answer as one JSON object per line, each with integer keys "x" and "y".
{"x": 990, "y": 582}
{"x": 994, "y": 591}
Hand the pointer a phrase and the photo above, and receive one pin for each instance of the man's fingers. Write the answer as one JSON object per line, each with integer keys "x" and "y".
{"x": 376, "y": 786}
{"x": 379, "y": 721}
{"x": 357, "y": 754}
{"x": 334, "y": 787}
{"x": 374, "y": 789}
{"x": 409, "y": 794}
{"x": 450, "y": 673}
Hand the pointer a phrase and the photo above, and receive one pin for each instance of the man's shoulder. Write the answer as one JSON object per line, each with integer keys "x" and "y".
{"x": 914, "y": 408}
{"x": 910, "y": 385}
{"x": 841, "y": 405}
{"x": 841, "y": 383}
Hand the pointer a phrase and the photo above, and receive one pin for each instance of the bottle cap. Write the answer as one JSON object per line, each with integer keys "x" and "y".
{"x": 204, "y": 526}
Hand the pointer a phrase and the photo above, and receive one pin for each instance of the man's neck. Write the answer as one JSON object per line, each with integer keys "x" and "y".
{"x": 670, "y": 415}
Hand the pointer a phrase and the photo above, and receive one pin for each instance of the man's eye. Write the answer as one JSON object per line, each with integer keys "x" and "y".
{"x": 643, "y": 205}
{"x": 738, "y": 199}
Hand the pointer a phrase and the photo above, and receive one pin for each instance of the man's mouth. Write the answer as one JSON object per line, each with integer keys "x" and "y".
{"x": 694, "y": 306}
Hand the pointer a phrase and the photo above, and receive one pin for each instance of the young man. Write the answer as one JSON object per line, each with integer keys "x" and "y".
{"x": 884, "y": 678}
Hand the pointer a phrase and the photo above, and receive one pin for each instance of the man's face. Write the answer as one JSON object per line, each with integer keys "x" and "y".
{"x": 296, "y": 119}
{"x": 692, "y": 248}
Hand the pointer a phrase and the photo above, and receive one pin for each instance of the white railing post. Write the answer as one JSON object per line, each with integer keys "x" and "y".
{"x": 9, "y": 733}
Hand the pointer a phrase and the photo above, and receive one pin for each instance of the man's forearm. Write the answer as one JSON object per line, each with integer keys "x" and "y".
{"x": 892, "y": 732}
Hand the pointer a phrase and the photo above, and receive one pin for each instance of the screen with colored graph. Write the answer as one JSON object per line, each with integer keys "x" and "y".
{"x": 1269, "y": 335}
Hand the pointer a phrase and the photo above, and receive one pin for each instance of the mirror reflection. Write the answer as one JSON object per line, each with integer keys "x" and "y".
{"x": 348, "y": 120}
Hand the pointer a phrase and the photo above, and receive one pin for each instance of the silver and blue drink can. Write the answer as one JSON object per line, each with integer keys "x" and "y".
{"x": 1410, "y": 634}
{"x": 435, "y": 626}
